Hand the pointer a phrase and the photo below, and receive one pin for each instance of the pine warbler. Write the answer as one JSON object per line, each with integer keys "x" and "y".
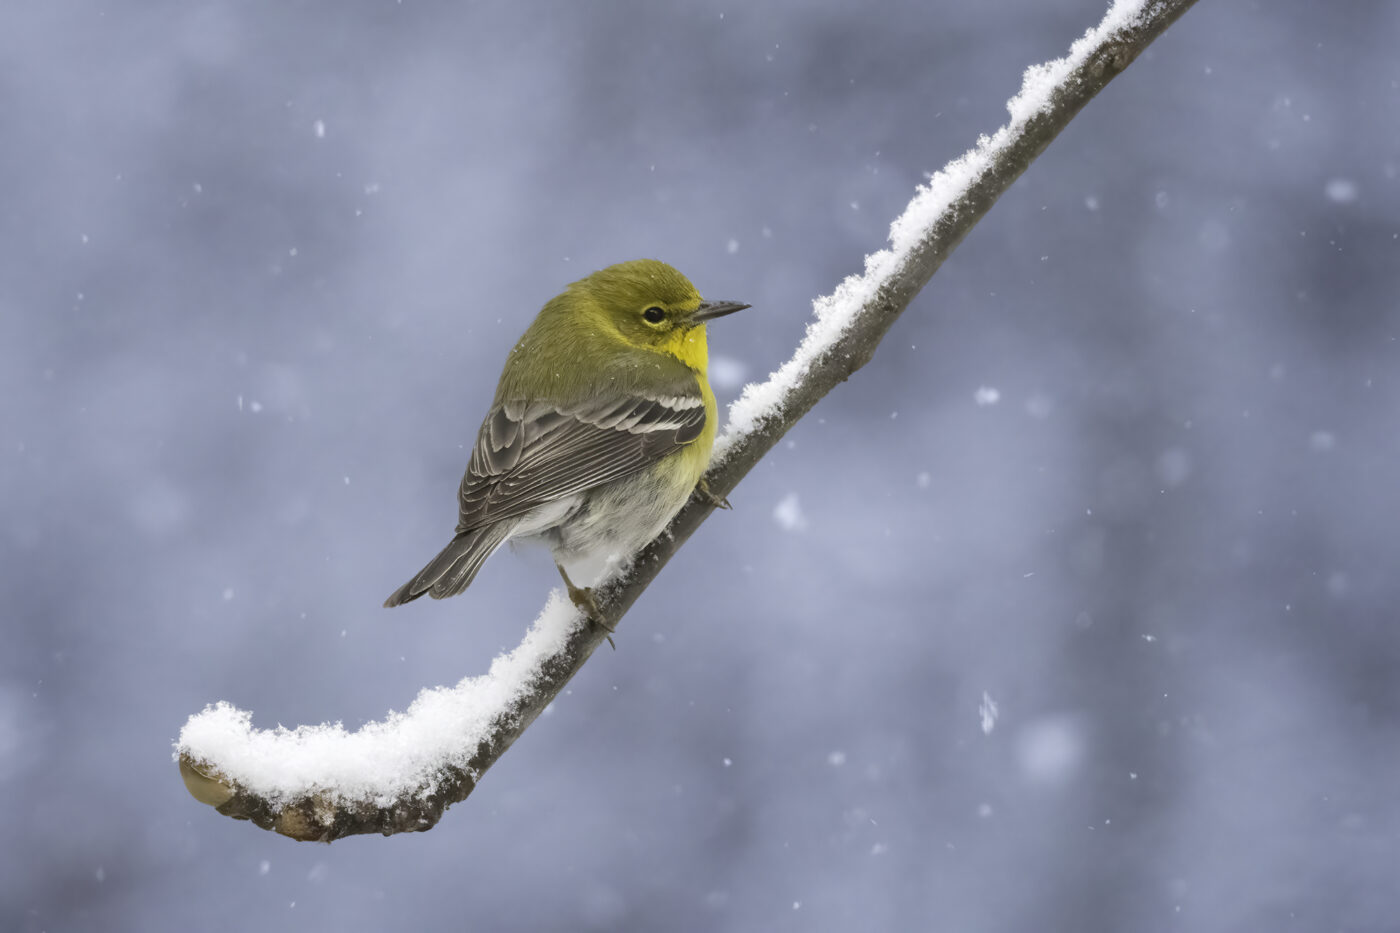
{"x": 602, "y": 424}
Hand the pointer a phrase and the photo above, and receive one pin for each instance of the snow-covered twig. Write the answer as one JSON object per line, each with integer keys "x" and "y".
{"x": 400, "y": 775}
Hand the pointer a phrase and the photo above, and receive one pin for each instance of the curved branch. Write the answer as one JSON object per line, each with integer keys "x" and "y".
{"x": 321, "y": 783}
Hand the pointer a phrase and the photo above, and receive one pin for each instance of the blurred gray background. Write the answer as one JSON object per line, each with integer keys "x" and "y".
{"x": 1127, "y": 469}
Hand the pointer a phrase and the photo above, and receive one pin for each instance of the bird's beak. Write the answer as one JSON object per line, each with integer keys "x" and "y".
{"x": 709, "y": 310}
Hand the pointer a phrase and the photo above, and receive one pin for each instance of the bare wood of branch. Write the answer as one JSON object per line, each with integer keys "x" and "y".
{"x": 322, "y": 818}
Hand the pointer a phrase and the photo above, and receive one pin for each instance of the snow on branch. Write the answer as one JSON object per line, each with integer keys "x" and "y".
{"x": 401, "y": 774}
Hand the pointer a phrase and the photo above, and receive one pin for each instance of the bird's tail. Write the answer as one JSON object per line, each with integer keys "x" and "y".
{"x": 455, "y": 567}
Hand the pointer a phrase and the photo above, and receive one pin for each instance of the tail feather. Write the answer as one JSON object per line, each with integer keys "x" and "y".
{"x": 455, "y": 566}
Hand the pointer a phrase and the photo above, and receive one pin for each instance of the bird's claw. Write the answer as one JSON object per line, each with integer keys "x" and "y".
{"x": 583, "y": 600}
{"x": 706, "y": 494}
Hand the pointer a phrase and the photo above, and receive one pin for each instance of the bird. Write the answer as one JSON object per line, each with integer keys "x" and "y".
{"x": 601, "y": 428}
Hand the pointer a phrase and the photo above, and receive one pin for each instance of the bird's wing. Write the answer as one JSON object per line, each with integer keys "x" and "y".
{"x": 529, "y": 453}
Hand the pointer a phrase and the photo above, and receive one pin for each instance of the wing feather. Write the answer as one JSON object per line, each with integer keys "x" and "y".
{"x": 530, "y": 453}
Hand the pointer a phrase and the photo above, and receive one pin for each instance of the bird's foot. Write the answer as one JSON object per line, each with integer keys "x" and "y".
{"x": 583, "y": 600}
{"x": 702, "y": 489}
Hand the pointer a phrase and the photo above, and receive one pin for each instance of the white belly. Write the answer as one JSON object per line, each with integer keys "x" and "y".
{"x": 593, "y": 531}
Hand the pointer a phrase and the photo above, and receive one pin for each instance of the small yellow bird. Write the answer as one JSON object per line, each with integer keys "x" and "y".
{"x": 602, "y": 425}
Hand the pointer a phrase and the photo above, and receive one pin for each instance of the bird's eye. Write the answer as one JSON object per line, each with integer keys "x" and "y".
{"x": 654, "y": 315}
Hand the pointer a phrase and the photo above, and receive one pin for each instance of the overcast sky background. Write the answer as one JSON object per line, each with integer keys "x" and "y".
{"x": 262, "y": 263}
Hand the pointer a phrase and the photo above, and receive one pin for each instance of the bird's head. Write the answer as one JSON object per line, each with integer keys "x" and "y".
{"x": 650, "y": 304}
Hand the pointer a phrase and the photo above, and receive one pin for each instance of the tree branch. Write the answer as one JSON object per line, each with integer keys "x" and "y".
{"x": 304, "y": 803}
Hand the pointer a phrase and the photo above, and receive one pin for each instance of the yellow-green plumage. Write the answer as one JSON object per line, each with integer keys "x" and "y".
{"x": 602, "y": 425}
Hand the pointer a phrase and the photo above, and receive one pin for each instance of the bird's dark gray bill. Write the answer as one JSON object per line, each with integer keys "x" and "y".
{"x": 709, "y": 310}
